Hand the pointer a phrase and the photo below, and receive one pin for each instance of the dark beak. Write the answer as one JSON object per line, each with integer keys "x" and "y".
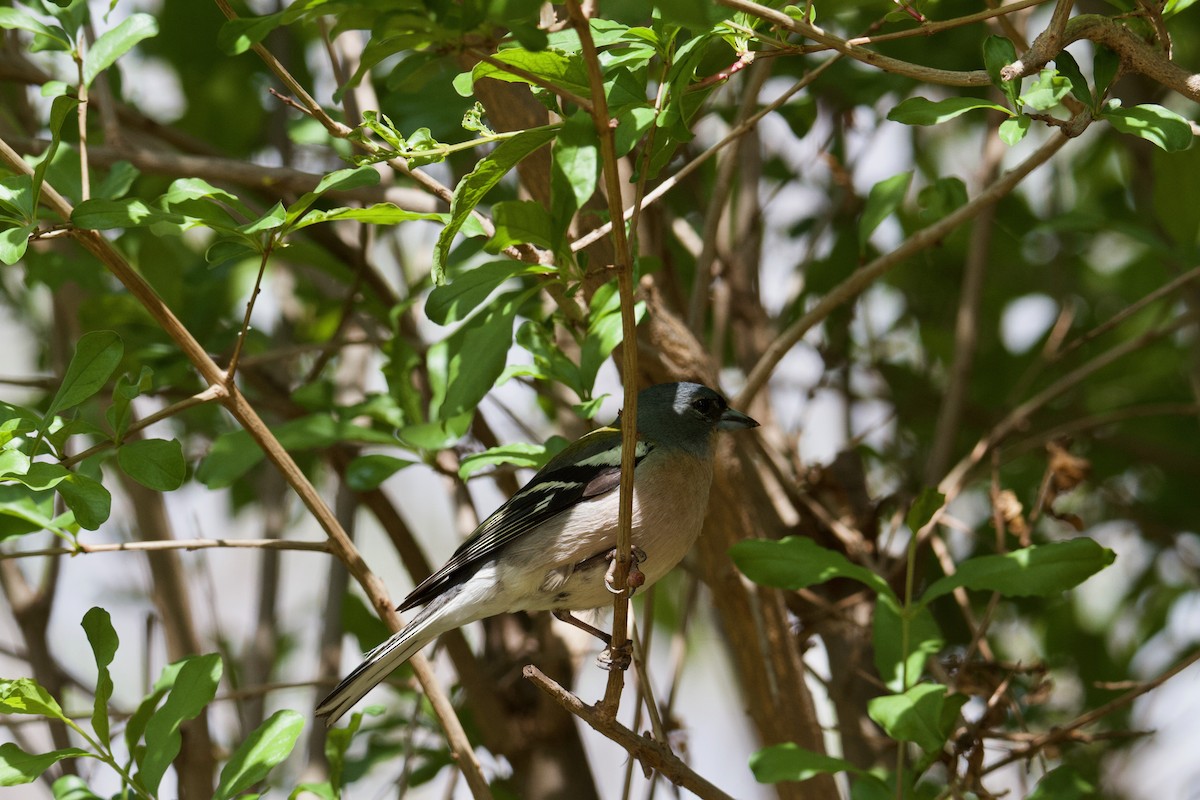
{"x": 732, "y": 420}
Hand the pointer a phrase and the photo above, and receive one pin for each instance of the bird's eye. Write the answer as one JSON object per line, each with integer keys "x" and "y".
{"x": 709, "y": 406}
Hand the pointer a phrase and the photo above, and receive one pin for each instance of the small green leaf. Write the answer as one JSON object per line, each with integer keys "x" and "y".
{"x": 73, "y": 787}
{"x": 13, "y": 462}
{"x": 464, "y": 366}
{"x": 14, "y": 19}
{"x": 899, "y": 667}
{"x": 97, "y": 355}
{"x": 155, "y": 463}
{"x": 928, "y": 502}
{"x": 921, "y": 715}
{"x": 114, "y": 43}
{"x": 1013, "y": 129}
{"x": 240, "y": 34}
{"x": 271, "y": 220}
{"x": 14, "y": 241}
{"x": 87, "y": 498}
{"x": 479, "y": 181}
{"x": 550, "y": 66}
{"x": 455, "y": 300}
{"x": 262, "y": 750}
{"x": 366, "y": 473}
{"x": 884, "y": 198}
{"x": 1047, "y": 91}
{"x": 60, "y": 109}
{"x": 697, "y": 17}
{"x": 1157, "y": 125}
{"x": 18, "y": 767}
{"x": 998, "y": 53}
{"x": 377, "y": 214}
{"x": 520, "y": 454}
{"x": 791, "y": 762}
{"x": 26, "y": 696}
{"x": 103, "y": 639}
{"x": 194, "y": 687}
{"x": 1031, "y": 571}
{"x": 1105, "y": 65}
{"x": 519, "y": 222}
{"x": 1062, "y": 783}
{"x": 796, "y": 562}
{"x": 1068, "y": 67}
{"x": 920, "y": 111}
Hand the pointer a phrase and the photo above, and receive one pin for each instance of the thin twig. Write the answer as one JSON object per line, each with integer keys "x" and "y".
{"x": 172, "y": 544}
{"x": 624, "y": 269}
{"x": 650, "y": 753}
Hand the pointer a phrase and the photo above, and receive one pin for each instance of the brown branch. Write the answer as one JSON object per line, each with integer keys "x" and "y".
{"x": 624, "y": 269}
{"x": 82, "y": 549}
{"x": 925, "y": 74}
{"x": 1136, "y": 55}
{"x": 651, "y": 754}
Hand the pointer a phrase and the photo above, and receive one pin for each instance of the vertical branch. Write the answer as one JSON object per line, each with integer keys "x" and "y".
{"x": 624, "y": 267}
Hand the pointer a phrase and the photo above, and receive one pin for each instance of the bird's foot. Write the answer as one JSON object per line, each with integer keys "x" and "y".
{"x": 611, "y": 658}
{"x": 633, "y": 580}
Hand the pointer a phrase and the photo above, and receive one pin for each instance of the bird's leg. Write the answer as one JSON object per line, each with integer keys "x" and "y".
{"x": 621, "y": 657}
{"x": 567, "y": 617}
{"x": 634, "y": 579}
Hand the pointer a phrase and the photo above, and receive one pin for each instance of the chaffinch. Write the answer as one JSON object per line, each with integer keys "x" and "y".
{"x": 548, "y": 547}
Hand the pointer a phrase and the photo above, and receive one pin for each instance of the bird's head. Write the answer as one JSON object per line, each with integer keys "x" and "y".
{"x": 686, "y": 415}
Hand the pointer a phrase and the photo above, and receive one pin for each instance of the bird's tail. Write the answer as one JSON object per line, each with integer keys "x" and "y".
{"x": 427, "y": 625}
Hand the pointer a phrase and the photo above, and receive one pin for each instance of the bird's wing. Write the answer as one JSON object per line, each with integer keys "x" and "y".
{"x": 589, "y": 467}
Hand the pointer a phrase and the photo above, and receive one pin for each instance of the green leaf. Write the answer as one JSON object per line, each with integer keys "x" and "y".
{"x": 14, "y": 241}
{"x": 240, "y": 34}
{"x": 920, "y": 111}
{"x": 18, "y": 767}
{"x": 103, "y": 639}
{"x": 377, "y": 214}
{"x": 194, "y": 687}
{"x": 1013, "y": 129}
{"x": 479, "y": 181}
{"x": 14, "y": 19}
{"x": 1068, "y": 67}
{"x": 87, "y": 498}
{"x": 791, "y": 762}
{"x": 155, "y": 463}
{"x": 923, "y": 715}
{"x": 103, "y": 215}
{"x": 1157, "y": 125}
{"x": 1062, "y": 783}
{"x": 455, "y": 300}
{"x": 60, "y": 109}
{"x": 520, "y": 222}
{"x": 1031, "y": 571}
{"x": 520, "y": 454}
{"x": 97, "y": 355}
{"x": 884, "y": 198}
{"x": 114, "y": 43}
{"x": 339, "y": 180}
{"x": 366, "y": 473}
{"x": 901, "y": 663}
{"x": 1105, "y": 65}
{"x": 263, "y": 749}
{"x": 1047, "y": 91}
{"x": 13, "y": 462}
{"x": 551, "y": 66}
{"x": 928, "y": 502}
{"x": 125, "y": 391}
{"x": 998, "y": 53}
{"x": 796, "y": 562}
{"x": 73, "y": 787}
{"x": 26, "y": 696}
{"x": 464, "y": 366}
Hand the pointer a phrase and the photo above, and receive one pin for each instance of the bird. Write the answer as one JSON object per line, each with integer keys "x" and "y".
{"x": 550, "y": 546}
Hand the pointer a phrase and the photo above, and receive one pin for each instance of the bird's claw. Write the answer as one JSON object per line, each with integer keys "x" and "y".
{"x": 620, "y": 658}
{"x": 633, "y": 580}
